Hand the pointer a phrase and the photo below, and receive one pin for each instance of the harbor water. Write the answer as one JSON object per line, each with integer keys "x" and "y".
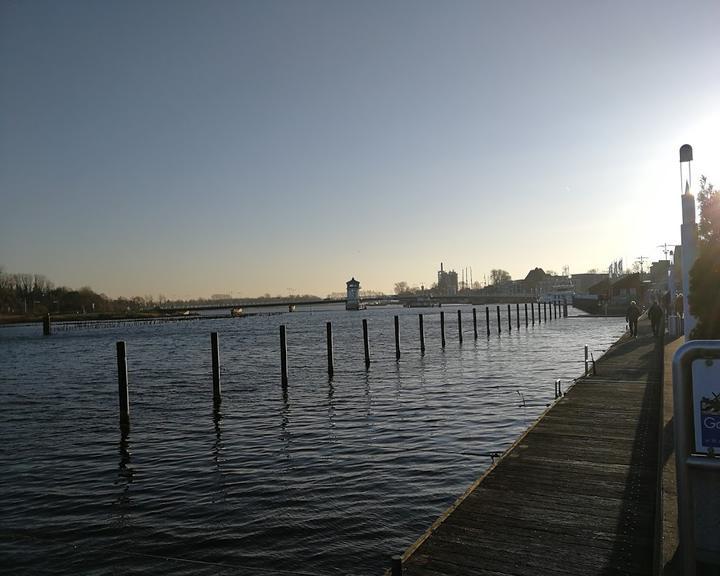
{"x": 323, "y": 477}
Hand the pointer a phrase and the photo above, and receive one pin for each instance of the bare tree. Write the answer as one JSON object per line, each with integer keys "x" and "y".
{"x": 498, "y": 276}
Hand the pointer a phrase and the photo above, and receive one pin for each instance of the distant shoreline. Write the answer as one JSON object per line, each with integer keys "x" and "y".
{"x": 65, "y": 317}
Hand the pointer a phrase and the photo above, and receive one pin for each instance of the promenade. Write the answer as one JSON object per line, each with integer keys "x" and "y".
{"x": 576, "y": 494}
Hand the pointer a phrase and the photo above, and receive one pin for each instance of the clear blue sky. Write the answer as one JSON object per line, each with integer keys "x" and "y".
{"x": 191, "y": 148}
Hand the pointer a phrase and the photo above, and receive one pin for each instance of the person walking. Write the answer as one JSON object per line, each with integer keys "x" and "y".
{"x": 655, "y": 313}
{"x": 631, "y": 317}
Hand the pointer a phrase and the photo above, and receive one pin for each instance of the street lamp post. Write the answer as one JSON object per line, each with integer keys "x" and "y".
{"x": 688, "y": 235}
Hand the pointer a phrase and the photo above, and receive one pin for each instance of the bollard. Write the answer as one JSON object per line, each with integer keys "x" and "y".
{"x": 397, "y": 338}
{"x": 442, "y": 328}
{"x": 283, "y": 356}
{"x": 498, "y": 319}
{"x": 215, "y": 348}
{"x": 475, "y": 323}
{"x": 329, "y": 339}
{"x": 526, "y": 318}
{"x": 509, "y": 318}
{"x": 46, "y": 325}
{"x": 558, "y": 389}
{"x": 123, "y": 395}
{"x": 586, "y": 359}
{"x": 366, "y": 343}
{"x": 422, "y": 334}
{"x": 517, "y": 315}
{"x": 396, "y": 566}
{"x": 460, "y": 337}
{"x": 487, "y": 320}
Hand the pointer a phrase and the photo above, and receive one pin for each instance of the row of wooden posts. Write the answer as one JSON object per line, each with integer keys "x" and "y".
{"x": 215, "y": 348}
{"x": 556, "y": 308}
{"x": 64, "y": 326}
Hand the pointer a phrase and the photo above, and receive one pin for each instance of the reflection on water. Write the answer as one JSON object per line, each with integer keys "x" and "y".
{"x": 124, "y": 479}
{"x": 333, "y": 476}
{"x": 284, "y": 422}
{"x": 219, "y": 493}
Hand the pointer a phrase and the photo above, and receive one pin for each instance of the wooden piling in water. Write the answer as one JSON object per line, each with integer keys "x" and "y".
{"x": 526, "y": 317}
{"x": 123, "y": 395}
{"x": 422, "y": 334}
{"x": 545, "y": 312}
{"x": 565, "y": 308}
{"x": 442, "y": 329}
{"x": 517, "y": 314}
{"x": 366, "y": 343}
{"x": 498, "y": 320}
{"x": 283, "y": 356}
{"x": 396, "y": 569}
{"x": 46, "y": 325}
{"x": 329, "y": 342}
{"x": 532, "y": 311}
{"x": 475, "y": 323}
{"x": 215, "y": 350}
{"x": 539, "y": 313}
{"x": 487, "y": 320}
{"x": 397, "y": 338}
{"x": 460, "y": 334}
{"x": 509, "y": 318}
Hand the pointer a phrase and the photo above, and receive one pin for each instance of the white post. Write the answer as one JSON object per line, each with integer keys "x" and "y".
{"x": 688, "y": 235}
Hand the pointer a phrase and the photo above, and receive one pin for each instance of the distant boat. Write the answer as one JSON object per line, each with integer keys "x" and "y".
{"x": 291, "y": 307}
{"x": 421, "y": 302}
{"x": 236, "y": 312}
{"x": 560, "y": 296}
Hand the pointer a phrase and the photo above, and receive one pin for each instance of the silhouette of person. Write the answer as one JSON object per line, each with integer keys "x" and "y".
{"x": 679, "y": 304}
{"x": 655, "y": 313}
{"x": 631, "y": 317}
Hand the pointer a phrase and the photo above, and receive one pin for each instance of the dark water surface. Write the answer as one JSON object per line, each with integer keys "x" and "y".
{"x": 330, "y": 478}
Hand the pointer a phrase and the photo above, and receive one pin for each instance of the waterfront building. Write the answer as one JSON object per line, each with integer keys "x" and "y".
{"x": 554, "y": 288}
{"x": 659, "y": 279}
{"x": 353, "y": 295}
{"x": 447, "y": 284}
{"x": 583, "y": 282}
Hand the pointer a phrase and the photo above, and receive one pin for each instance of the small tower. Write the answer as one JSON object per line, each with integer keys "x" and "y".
{"x": 353, "y": 295}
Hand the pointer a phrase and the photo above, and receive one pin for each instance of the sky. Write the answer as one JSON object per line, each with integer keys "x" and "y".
{"x": 247, "y": 147}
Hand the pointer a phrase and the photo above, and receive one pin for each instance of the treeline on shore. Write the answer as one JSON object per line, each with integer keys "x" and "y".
{"x": 33, "y": 295}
